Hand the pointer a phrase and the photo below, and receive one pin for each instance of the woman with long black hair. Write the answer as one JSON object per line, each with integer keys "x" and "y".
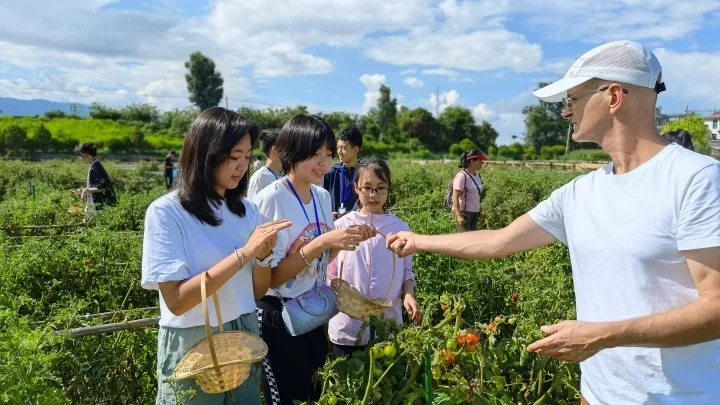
{"x": 99, "y": 186}
{"x": 206, "y": 226}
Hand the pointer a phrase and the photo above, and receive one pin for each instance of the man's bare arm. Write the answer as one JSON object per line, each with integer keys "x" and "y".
{"x": 521, "y": 235}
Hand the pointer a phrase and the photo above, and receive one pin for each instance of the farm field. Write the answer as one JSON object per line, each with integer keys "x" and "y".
{"x": 479, "y": 315}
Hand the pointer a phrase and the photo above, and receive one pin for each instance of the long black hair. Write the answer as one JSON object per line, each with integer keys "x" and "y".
{"x": 301, "y": 137}
{"x": 208, "y": 143}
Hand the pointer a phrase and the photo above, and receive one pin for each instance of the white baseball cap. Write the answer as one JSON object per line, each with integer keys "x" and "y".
{"x": 620, "y": 61}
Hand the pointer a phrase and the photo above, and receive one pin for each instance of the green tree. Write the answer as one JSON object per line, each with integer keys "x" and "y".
{"x": 15, "y": 138}
{"x": 55, "y": 114}
{"x": 138, "y": 139}
{"x": 43, "y": 139}
{"x": 339, "y": 120}
{"x": 457, "y": 123}
{"x": 102, "y": 112}
{"x": 369, "y": 128}
{"x": 485, "y": 135}
{"x": 544, "y": 124}
{"x": 140, "y": 112}
{"x": 695, "y": 125}
{"x": 420, "y": 124}
{"x": 204, "y": 84}
{"x": 385, "y": 114}
{"x": 462, "y": 147}
{"x": 178, "y": 121}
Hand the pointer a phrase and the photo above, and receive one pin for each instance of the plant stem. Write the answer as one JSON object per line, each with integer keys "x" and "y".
{"x": 368, "y": 388}
{"x": 408, "y": 383}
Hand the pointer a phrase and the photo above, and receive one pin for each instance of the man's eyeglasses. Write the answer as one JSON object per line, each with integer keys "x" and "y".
{"x": 370, "y": 190}
{"x": 567, "y": 101}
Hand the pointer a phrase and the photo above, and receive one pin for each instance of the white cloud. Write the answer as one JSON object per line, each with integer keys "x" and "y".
{"x": 479, "y": 50}
{"x": 442, "y": 72}
{"x": 690, "y": 76}
{"x": 443, "y": 101}
{"x": 409, "y": 71}
{"x": 482, "y": 112}
{"x": 372, "y": 86}
{"x": 413, "y": 82}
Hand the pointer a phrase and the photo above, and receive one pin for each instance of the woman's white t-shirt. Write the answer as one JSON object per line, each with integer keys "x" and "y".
{"x": 276, "y": 201}
{"x": 177, "y": 246}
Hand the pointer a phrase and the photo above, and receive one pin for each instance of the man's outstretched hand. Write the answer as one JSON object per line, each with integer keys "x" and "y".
{"x": 402, "y": 243}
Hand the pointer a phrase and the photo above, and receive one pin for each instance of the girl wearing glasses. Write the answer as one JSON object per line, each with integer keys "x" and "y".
{"x": 369, "y": 267}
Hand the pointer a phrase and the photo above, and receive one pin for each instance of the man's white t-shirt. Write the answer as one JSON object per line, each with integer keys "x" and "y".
{"x": 276, "y": 201}
{"x": 626, "y": 235}
{"x": 177, "y": 246}
{"x": 262, "y": 178}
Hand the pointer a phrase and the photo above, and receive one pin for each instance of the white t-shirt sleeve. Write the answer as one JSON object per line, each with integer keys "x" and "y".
{"x": 269, "y": 210}
{"x": 699, "y": 218}
{"x": 254, "y": 185}
{"x": 163, "y": 256}
{"x": 549, "y": 215}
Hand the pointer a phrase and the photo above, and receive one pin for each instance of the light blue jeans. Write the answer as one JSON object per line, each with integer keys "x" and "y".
{"x": 174, "y": 343}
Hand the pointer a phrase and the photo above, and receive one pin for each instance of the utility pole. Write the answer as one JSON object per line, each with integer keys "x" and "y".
{"x": 567, "y": 141}
{"x": 226, "y": 102}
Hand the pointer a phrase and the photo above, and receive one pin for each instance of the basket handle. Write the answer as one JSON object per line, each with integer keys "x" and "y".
{"x": 392, "y": 278}
{"x": 208, "y": 329}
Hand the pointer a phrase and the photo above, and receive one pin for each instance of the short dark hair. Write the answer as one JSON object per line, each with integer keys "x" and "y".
{"x": 209, "y": 142}
{"x": 88, "y": 148}
{"x": 301, "y": 137}
{"x": 681, "y": 137}
{"x": 352, "y": 135}
{"x": 268, "y": 137}
{"x": 377, "y": 166}
{"x": 172, "y": 152}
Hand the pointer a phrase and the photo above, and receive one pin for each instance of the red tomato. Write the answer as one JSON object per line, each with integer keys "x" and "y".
{"x": 472, "y": 339}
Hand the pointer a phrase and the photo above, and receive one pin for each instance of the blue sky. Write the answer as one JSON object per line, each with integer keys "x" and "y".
{"x": 334, "y": 55}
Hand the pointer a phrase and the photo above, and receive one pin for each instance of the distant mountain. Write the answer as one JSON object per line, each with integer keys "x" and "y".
{"x": 14, "y": 106}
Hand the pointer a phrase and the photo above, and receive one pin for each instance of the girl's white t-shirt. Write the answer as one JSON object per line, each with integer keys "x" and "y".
{"x": 276, "y": 201}
{"x": 177, "y": 246}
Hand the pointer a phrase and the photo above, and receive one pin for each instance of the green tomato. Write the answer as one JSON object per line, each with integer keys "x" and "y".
{"x": 390, "y": 351}
{"x": 377, "y": 352}
{"x": 332, "y": 400}
{"x": 378, "y": 372}
{"x": 511, "y": 321}
{"x": 451, "y": 344}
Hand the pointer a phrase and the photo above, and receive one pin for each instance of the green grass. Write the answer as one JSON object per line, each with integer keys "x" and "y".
{"x": 92, "y": 130}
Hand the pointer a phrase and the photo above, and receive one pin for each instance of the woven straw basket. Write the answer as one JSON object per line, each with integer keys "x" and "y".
{"x": 352, "y": 302}
{"x": 222, "y": 361}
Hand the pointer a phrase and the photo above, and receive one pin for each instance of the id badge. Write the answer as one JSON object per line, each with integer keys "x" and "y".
{"x": 341, "y": 210}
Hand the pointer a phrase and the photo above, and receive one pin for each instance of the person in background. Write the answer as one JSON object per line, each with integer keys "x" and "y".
{"x": 205, "y": 226}
{"x": 168, "y": 169}
{"x": 99, "y": 184}
{"x": 272, "y": 169}
{"x": 467, "y": 189}
{"x": 257, "y": 163}
{"x": 680, "y": 137}
{"x": 644, "y": 241}
{"x": 369, "y": 267}
{"x": 306, "y": 146}
{"x": 340, "y": 179}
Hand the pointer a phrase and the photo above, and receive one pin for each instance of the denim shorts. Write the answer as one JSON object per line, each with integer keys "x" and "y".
{"x": 174, "y": 343}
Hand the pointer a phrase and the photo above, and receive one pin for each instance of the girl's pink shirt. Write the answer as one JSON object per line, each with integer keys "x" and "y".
{"x": 369, "y": 269}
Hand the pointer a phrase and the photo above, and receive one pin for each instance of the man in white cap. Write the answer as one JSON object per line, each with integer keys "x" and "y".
{"x": 644, "y": 240}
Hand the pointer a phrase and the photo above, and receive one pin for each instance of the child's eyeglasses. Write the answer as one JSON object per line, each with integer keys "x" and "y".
{"x": 370, "y": 190}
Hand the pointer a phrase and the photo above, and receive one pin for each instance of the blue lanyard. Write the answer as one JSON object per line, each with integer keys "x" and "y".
{"x": 273, "y": 173}
{"x": 317, "y": 220}
{"x": 344, "y": 194}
